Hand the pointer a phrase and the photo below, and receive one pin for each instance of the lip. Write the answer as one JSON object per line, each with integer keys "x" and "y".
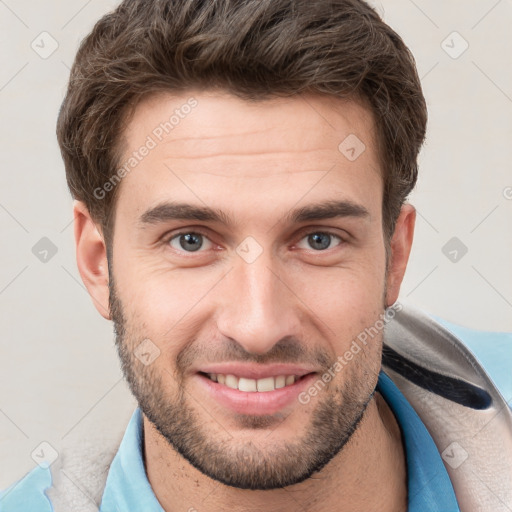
{"x": 255, "y": 403}
{"x": 256, "y": 371}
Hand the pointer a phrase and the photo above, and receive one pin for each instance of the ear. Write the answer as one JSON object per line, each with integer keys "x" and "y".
{"x": 91, "y": 257}
{"x": 400, "y": 249}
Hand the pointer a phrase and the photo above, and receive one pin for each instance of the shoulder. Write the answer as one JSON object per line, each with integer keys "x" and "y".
{"x": 28, "y": 493}
{"x": 493, "y": 350}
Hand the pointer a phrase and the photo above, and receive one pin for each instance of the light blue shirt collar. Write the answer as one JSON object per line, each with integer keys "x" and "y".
{"x": 429, "y": 486}
{"x": 127, "y": 486}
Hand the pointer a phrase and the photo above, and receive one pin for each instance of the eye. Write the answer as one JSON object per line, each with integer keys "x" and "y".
{"x": 319, "y": 241}
{"x": 189, "y": 242}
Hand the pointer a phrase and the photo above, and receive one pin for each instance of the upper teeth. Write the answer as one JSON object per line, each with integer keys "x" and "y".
{"x": 251, "y": 385}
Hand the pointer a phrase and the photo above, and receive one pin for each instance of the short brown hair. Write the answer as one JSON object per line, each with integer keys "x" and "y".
{"x": 254, "y": 49}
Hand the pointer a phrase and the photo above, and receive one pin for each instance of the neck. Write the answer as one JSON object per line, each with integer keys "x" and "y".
{"x": 368, "y": 474}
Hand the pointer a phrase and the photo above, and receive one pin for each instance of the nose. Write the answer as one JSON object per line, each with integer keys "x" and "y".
{"x": 257, "y": 309}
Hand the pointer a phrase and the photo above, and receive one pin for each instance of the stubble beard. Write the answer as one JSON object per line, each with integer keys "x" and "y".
{"x": 337, "y": 413}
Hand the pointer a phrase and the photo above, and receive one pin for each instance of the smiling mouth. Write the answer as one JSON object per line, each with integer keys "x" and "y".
{"x": 253, "y": 385}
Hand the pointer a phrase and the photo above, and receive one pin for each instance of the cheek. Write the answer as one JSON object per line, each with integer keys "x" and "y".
{"x": 340, "y": 285}
{"x": 347, "y": 300}
{"x": 167, "y": 305}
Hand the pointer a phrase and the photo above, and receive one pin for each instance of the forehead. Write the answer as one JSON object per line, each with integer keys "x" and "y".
{"x": 217, "y": 149}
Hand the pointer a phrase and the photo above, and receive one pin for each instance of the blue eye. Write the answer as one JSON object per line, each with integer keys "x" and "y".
{"x": 319, "y": 241}
{"x": 189, "y": 242}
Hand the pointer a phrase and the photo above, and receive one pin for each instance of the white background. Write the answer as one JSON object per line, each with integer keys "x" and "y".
{"x": 59, "y": 371}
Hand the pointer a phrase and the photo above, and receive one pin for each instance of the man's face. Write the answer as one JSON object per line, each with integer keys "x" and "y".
{"x": 274, "y": 276}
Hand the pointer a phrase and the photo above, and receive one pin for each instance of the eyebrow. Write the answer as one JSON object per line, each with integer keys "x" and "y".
{"x": 328, "y": 210}
{"x": 168, "y": 211}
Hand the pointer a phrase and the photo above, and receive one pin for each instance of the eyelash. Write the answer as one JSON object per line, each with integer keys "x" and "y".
{"x": 167, "y": 240}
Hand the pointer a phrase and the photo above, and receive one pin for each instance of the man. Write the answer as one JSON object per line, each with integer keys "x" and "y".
{"x": 240, "y": 170}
